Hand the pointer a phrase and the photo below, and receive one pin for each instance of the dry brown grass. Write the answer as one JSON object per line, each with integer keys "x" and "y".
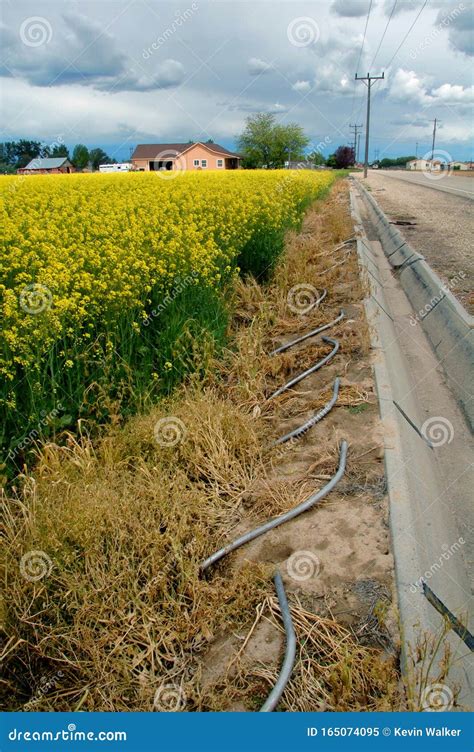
{"x": 125, "y": 523}
{"x": 333, "y": 672}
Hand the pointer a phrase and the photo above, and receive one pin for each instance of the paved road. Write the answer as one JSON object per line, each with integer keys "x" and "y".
{"x": 442, "y": 224}
{"x": 454, "y": 184}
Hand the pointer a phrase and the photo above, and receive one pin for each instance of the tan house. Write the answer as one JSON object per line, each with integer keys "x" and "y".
{"x": 194, "y": 156}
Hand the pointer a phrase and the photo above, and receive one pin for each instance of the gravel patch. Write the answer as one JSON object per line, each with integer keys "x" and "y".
{"x": 441, "y": 227}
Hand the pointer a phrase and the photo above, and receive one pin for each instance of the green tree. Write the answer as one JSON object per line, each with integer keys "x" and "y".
{"x": 316, "y": 158}
{"x": 80, "y": 156}
{"x": 289, "y": 144}
{"x": 98, "y": 157}
{"x": 265, "y": 143}
{"x": 58, "y": 150}
{"x": 255, "y": 143}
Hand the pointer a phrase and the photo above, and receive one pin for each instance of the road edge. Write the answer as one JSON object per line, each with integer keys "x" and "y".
{"x": 445, "y": 322}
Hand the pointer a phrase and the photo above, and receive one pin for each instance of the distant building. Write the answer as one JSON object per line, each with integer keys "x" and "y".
{"x": 47, "y": 166}
{"x": 118, "y": 167}
{"x": 427, "y": 165}
{"x": 460, "y": 165}
{"x": 194, "y": 156}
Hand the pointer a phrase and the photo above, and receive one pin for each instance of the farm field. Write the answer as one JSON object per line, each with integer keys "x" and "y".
{"x": 108, "y": 609}
{"x": 114, "y": 287}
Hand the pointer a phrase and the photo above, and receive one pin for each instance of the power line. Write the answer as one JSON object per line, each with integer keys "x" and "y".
{"x": 356, "y": 129}
{"x": 360, "y": 55}
{"x": 383, "y": 35}
{"x": 408, "y": 32}
{"x": 368, "y": 81}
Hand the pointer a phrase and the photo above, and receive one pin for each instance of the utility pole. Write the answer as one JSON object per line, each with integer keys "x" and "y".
{"x": 356, "y": 129}
{"x": 368, "y": 81}
{"x": 358, "y": 148}
{"x": 435, "y": 121}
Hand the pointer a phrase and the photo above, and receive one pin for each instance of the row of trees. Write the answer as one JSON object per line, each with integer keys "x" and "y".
{"x": 266, "y": 143}
{"x": 16, "y": 154}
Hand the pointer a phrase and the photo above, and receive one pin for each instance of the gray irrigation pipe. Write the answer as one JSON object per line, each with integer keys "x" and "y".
{"x": 282, "y": 348}
{"x": 290, "y": 649}
{"x": 297, "y": 432}
{"x": 276, "y": 521}
{"x": 313, "y": 369}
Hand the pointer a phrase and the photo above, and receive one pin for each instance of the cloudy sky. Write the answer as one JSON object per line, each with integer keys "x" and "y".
{"x": 114, "y": 73}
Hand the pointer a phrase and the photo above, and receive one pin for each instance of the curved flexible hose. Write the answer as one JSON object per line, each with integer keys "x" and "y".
{"x": 306, "y": 336}
{"x": 313, "y": 369}
{"x": 290, "y": 650}
{"x": 275, "y": 522}
{"x": 297, "y": 432}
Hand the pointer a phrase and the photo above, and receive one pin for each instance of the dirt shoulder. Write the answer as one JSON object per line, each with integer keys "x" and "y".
{"x": 439, "y": 225}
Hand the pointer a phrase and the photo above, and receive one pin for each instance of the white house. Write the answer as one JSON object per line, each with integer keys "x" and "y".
{"x": 458, "y": 166}
{"x": 427, "y": 165}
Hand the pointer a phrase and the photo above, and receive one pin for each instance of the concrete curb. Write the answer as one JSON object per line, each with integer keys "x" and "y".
{"x": 411, "y": 469}
{"x": 447, "y": 325}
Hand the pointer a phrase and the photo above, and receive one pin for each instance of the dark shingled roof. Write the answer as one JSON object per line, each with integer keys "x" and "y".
{"x": 152, "y": 151}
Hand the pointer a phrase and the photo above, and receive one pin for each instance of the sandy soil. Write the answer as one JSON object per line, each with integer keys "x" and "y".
{"x": 441, "y": 228}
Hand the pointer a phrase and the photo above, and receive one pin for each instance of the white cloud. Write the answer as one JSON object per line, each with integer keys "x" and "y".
{"x": 350, "y": 8}
{"x": 256, "y": 66}
{"x": 301, "y": 86}
{"x": 454, "y": 94}
{"x": 407, "y": 86}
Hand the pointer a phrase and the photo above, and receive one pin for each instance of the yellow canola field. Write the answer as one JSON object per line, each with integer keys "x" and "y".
{"x": 79, "y": 250}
